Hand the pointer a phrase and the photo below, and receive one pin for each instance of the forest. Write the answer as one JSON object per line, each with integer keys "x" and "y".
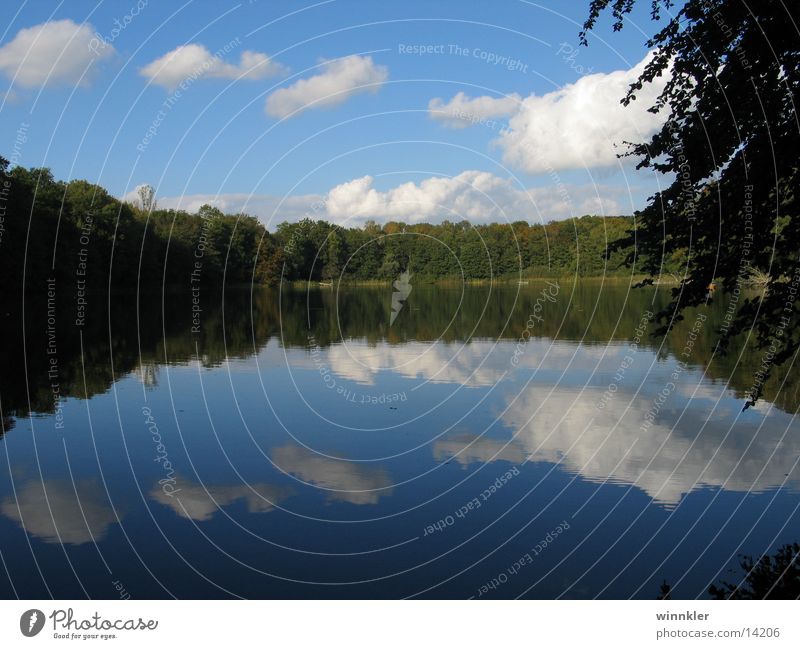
{"x": 75, "y": 232}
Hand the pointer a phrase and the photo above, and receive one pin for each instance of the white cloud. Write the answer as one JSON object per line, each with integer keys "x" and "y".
{"x": 339, "y": 80}
{"x": 194, "y": 60}
{"x": 50, "y": 53}
{"x": 477, "y": 196}
{"x": 462, "y": 111}
{"x": 582, "y": 125}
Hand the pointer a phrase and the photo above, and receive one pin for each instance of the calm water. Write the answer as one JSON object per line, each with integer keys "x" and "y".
{"x": 493, "y": 443}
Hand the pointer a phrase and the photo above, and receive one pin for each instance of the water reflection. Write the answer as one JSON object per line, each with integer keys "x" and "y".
{"x": 292, "y": 413}
{"x": 58, "y": 511}
{"x": 200, "y": 502}
{"x": 691, "y": 445}
{"x": 589, "y": 314}
{"x": 340, "y": 480}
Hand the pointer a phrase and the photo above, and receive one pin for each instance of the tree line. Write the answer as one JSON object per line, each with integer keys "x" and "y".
{"x": 75, "y": 232}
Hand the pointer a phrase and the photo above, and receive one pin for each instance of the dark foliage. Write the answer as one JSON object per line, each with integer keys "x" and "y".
{"x": 770, "y": 577}
{"x": 730, "y": 137}
{"x": 78, "y": 235}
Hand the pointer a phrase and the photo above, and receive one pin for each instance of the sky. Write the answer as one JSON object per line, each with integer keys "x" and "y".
{"x": 416, "y": 111}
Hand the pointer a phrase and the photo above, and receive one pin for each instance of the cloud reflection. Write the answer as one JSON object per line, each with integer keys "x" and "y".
{"x": 58, "y": 511}
{"x": 351, "y": 482}
{"x": 200, "y": 502}
{"x": 674, "y": 456}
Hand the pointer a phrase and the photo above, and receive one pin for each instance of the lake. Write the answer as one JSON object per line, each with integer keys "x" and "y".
{"x": 487, "y": 441}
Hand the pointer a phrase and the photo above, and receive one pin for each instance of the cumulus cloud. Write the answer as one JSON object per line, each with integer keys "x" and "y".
{"x": 462, "y": 111}
{"x": 477, "y": 196}
{"x": 200, "y": 502}
{"x": 339, "y": 80}
{"x": 194, "y": 61}
{"x": 54, "y": 52}
{"x": 348, "y": 482}
{"x": 56, "y": 511}
{"x": 581, "y": 125}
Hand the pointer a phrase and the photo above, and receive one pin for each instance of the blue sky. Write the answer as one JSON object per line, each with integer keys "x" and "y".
{"x": 284, "y": 106}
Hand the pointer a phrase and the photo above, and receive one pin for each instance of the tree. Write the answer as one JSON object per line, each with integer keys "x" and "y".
{"x": 730, "y": 136}
{"x": 147, "y": 197}
{"x": 769, "y": 577}
{"x": 269, "y": 262}
{"x": 332, "y": 256}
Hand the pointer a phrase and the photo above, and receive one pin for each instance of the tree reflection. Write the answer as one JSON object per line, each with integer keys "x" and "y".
{"x": 774, "y": 576}
{"x": 127, "y": 333}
